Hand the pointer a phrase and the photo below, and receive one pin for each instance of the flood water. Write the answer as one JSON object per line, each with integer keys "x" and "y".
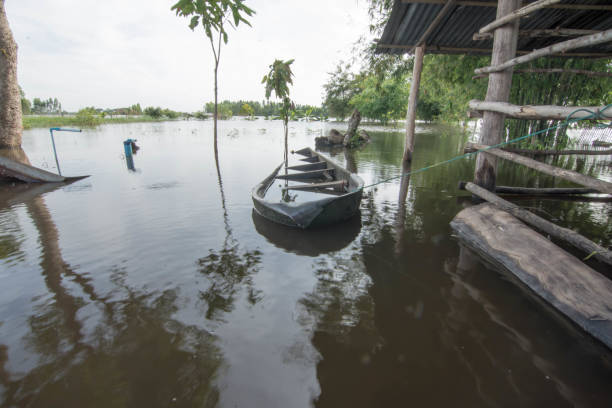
{"x": 160, "y": 287}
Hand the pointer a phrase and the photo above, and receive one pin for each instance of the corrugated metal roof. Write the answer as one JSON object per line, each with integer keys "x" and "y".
{"x": 408, "y": 22}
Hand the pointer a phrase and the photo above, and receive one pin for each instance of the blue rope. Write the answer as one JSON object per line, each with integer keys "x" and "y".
{"x": 592, "y": 116}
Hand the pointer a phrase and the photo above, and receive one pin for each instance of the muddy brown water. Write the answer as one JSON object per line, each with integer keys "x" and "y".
{"x": 161, "y": 287}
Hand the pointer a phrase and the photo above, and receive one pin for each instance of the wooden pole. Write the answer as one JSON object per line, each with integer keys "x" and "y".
{"x": 504, "y": 48}
{"x": 553, "y": 230}
{"x": 599, "y": 185}
{"x": 594, "y": 74}
{"x": 593, "y": 39}
{"x": 534, "y": 191}
{"x": 534, "y": 112}
{"x": 412, "y": 102}
{"x": 516, "y": 14}
{"x": 534, "y": 152}
{"x": 555, "y": 32}
{"x": 433, "y": 49}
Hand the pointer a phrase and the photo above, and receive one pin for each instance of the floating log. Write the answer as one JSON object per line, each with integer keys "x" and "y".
{"x": 516, "y": 14}
{"x": 304, "y": 175}
{"x": 317, "y": 186}
{"x": 599, "y": 185}
{"x": 594, "y": 74}
{"x": 531, "y": 191}
{"x": 531, "y": 112}
{"x": 570, "y": 286}
{"x": 310, "y": 166}
{"x": 471, "y": 3}
{"x": 469, "y": 149}
{"x": 555, "y": 32}
{"x": 564, "y": 234}
{"x": 593, "y": 39}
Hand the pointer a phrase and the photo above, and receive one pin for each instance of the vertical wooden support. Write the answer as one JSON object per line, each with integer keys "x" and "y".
{"x": 504, "y": 48}
{"x": 412, "y": 102}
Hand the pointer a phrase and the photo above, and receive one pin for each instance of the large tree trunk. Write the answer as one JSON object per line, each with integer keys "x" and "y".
{"x": 353, "y": 124}
{"x": 10, "y": 98}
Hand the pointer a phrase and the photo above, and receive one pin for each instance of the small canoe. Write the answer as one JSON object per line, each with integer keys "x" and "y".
{"x": 334, "y": 194}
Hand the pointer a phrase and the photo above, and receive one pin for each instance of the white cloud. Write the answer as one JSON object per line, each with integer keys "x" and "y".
{"x": 116, "y": 53}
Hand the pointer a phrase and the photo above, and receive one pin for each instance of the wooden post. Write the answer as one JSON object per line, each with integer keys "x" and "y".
{"x": 412, "y": 102}
{"x": 504, "y": 49}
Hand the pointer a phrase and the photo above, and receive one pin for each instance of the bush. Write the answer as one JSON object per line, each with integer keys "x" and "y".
{"x": 87, "y": 117}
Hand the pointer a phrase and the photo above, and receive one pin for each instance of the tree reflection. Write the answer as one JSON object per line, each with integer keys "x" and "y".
{"x": 228, "y": 269}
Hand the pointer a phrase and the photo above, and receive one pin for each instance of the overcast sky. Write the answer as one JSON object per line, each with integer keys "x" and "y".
{"x": 115, "y": 53}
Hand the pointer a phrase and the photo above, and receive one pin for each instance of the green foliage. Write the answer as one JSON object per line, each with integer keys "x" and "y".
{"x": 51, "y": 105}
{"x": 382, "y": 100}
{"x": 278, "y": 80}
{"x": 340, "y": 88}
{"x": 154, "y": 112}
{"x": 247, "y": 110}
{"x": 87, "y": 117}
{"x": 267, "y": 108}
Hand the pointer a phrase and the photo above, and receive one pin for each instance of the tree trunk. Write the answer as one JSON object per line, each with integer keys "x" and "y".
{"x": 353, "y": 124}
{"x": 216, "y": 112}
{"x": 413, "y": 99}
{"x": 10, "y": 99}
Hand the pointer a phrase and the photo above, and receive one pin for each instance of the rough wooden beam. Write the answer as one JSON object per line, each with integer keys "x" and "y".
{"x": 309, "y": 166}
{"x": 533, "y": 112}
{"x": 463, "y": 50}
{"x": 599, "y": 185}
{"x": 468, "y": 3}
{"x": 557, "y": 32}
{"x": 316, "y": 186}
{"x": 516, "y": 14}
{"x": 594, "y": 74}
{"x": 448, "y": 6}
{"x": 304, "y": 175}
{"x": 412, "y": 103}
{"x": 593, "y": 39}
{"x": 571, "y": 287}
{"x": 534, "y": 191}
{"x": 550, "y": 152}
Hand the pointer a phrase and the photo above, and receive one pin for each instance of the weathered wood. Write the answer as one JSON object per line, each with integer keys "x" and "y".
{"x": 599, "y": 185}
{"x": 498, "y": 90}
{"x": 555, "y": 32}
{"x": 448, "y": 6}
{"x": 516, "y": 14}
{"x": 11, "y": 125}
{"x": 570, "y": 286}
{"x": 353, "y": 124}
{"x": 539, "y": 111}
{"x": 469, "y": 50}
{"x": 29, "y": 174}
{"x": 413, "y": 100}
{"x": 303, "y": 152}
{"x": 304, "y": 175}
{"x": 313, "y": 159}
{"x": 470, "y": 3}
{"x": 533, "y": 191}
{"x": 317, "y": 186}
{"x": 553, "y": 230}
{"x": 593, "y": 74}
{"x": 532, "y": 152}
{"x": 309, "y": 166}
{"x": 593, "y": 39}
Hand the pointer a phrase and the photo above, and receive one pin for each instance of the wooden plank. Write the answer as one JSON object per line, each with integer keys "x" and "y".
{"x": 470, "y": 50}
{"x": 547, "y": 152}
{"x": 29, "y": 174}
{"x": 516, "y": 14}
{"x": 310, "y": 166}
{"x": 306, "y": 175}
{"x": 534, "y": 191}
{"x": 304, "y": 152}
{"x": 594, "y": 74}
{"x": 593, "y": 39}
{"x": 312, "y": 159}
{"x": 539, "y": 111}
{"x": 571, "y": 287}
{"x": 599, "y": 185}
{"x": 448, "y": 6}
{"x": 564, "y": 234}
{"x": 555, "y": 32}
{"x": 469, "y": 3}
{"x": 316, "y": 186}
{"x": 412, "y": 103}
{"x": 498, "y": 90}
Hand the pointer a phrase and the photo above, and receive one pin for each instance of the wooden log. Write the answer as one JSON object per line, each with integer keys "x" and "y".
{"x": 530, "y": 112}
{"x": 593, "y": 39}
{"x": 316, "y": 186}
{"x": 448, "y": 6}
{"x": 498, "y": 90}
{"x": 570, "y": 286}
{"x": 304, "y": 175}
{"x": 599, "y": 185}
{"x": 556, "y": 32}
{"x": 433, "y": 49}
{"x": 516, "y": 14}
{"x": 309, "y": 166}
{"x": 412, "y": 103}
{"x": 531, "y": 191}
{"x": 593, "y": 74}
{"x": 471, "y": 3}
{"x": 563, "y": 234}
{"x": 469, "y": 149}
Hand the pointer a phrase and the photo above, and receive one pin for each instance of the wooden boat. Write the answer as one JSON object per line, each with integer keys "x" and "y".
{"x": 337, "y": 193}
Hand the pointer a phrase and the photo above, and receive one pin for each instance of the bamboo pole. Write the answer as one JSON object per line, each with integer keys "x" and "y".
{"x": 498, "y": 90}
{"x": 516, "y": 14}
{"x": 594, "y": 74}
{"x": 469, "y": 149}
{"x": 599, "y": 185}
{"x": 412, "y": 103}
{"x": 534, "y": 112}
{"x": 564, "y": 234}
{"x": 593, "y": 39}
{"x": 555, "y": 32}
{"x": 470, "y": 3}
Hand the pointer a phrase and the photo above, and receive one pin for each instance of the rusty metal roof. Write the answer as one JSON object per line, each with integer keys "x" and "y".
{"x": 408, "y": 22}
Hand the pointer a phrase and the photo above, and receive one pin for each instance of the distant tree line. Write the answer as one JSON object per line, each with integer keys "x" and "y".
{"x": 227, "y": 109}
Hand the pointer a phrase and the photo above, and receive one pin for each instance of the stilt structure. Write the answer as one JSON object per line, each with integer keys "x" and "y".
{"x": 560, "y": 28}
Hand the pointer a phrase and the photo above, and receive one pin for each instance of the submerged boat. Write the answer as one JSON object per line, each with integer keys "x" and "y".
{"x": 332, "y": 194}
